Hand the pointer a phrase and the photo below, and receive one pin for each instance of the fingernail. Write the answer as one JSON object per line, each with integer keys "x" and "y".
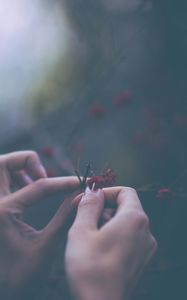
{"x": 88, "y": 191}
{"x": 92, "y": 193}
{"x": 43, "y": 171}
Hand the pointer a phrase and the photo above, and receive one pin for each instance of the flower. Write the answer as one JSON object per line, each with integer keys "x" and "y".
{"x": 151, "y": 119}
{"x": 181, "y": 121}
{"x": 139, "y": 138}
{"x": 96, "y": 111}
{"x": 106, "y": 179}
{"x": 48, "y": 151}
{"x": 164, "y": 193}
{"x": 77, "y": 147}
{"x": 124, "y": 98}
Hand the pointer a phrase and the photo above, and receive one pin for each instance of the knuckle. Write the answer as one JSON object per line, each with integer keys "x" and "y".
{"x": 129, "y": 189}
{"x": 146, "y": 220}
{"x": 154, "y": 244}
{"x": 87, "y": 201}
{"x": 76, "y": 231}
{"x": 142, "y": 219}
{"x": 72, "y": 233}
{"x": 32, "y": 154}
{"x": 3, "y": 159}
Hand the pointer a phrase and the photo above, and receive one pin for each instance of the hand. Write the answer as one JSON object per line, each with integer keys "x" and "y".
{"x": 25, "y": 253}
{"x": 104, "y": 263}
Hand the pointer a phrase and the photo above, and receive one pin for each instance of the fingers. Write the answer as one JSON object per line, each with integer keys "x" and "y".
{"x": 21, "y": 178}
{"x": 128, "y": 199}
{"x": 61, "y": 222}
{"x": 129, "y": 215}
{"x": 108, "y": 214}
{"x": 124, "y": 203}
{"x": 90, "y": 209}
{"x": 42, "y": 188}
{"x": 24, "y": 160}
{"x": 117, "y": 197}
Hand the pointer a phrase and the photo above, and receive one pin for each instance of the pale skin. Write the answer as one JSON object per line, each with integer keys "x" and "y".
{"x": 25, "y": 253}
{"x": 105, "y": 262}
{"x": 102, "y": 261}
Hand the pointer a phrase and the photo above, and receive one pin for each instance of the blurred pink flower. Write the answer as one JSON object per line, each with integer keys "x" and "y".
{"x": 105, "y": 180}
{"x": 181, "y": 121}
{"x": 48, "y": 151}
{"x": 139, "y": 138}
{"x": 164, "y": 194}
{"x": 124, "y": 98}
{"x": 96, "y": 111}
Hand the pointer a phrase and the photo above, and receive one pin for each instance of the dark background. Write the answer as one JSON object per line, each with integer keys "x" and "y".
{"x": 126, "y": 108}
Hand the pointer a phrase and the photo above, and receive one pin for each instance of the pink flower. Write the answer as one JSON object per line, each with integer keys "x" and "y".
{"x": 139, "y": 138}
{"x": 105, "y": 180}
{"x": 181, "y": 121}
{"x": 164, "y": 194}
{"x": 48, "y": 151}
{"x": 96, "y": 111}
{"x": 124, "y": 98}
{"x": 97, "y": 181}
{"x": 151, "y": 119}
{"x": 78, "y": 147}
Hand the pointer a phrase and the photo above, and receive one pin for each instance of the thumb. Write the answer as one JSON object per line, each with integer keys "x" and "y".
{"x": 90, "y": 209}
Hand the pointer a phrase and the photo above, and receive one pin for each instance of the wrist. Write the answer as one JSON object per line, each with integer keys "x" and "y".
{"x": 91, "y": 286}
{"x": 92, "y": 292}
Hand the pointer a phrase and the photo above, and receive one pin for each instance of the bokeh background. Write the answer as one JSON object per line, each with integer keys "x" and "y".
{"x": 105, "y": 82}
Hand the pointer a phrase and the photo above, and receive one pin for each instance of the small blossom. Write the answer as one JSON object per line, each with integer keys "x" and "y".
{"x": 66, "y": 166}
{"x": 152, "y": 119}
{"x": 77, "y": 147}
{"x": 164, "y": 193}
{"x": 105, "y": 180}
{"x": 124, "y": 98}
{"x": 159, "y": 142}
{"x": 181, "y": 121}
{"x": 96, "y": 111}
{"x": 97, "y": 181}
{"x": 48, "y": 151}
{"x": 139, "y": 138}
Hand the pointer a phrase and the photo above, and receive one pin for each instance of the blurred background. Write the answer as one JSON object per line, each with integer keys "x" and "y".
{"x": 105, "y": 82}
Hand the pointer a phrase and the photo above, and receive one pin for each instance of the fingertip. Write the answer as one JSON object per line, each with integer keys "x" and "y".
{"x": 42, "y": 171}
{"x": 37, "y": 170}
{"x": 90, "y": 208}
{"x": 90, "y": 195}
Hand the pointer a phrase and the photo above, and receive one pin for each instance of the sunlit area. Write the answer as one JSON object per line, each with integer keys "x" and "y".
{"x": 33, "y": 37}
{"x": 99, "y": 90}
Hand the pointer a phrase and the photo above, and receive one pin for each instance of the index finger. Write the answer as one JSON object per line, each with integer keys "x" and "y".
{"x": 24, "y": 160}
{"x": 42, "y": 188}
